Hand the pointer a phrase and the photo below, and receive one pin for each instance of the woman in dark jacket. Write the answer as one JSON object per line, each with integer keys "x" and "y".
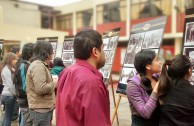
{"x": 176, "y": 94}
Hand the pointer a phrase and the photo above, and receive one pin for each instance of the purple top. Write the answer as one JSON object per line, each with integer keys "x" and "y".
{"x": 141, "y": 104}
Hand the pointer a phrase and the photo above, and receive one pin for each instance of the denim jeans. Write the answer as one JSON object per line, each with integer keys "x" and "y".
{"x": 25, "y": 117}
{"x": 9, "y": 107}
{"x": 41, "y": 119}
{"x": 16, "y": 110}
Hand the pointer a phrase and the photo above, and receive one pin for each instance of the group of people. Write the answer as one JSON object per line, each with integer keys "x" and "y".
{"x": 159, "y": 94}
{"x": 29, "y": 81}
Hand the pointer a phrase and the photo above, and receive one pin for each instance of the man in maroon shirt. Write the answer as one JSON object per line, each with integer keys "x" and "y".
{"x": 82, "y": 98}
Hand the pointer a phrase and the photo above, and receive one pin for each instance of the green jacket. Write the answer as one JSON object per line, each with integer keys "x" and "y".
{"x": 56, "y": 70}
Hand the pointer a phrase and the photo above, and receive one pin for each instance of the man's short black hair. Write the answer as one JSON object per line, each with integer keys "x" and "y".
{"x": 42, "y": 49}
{"x": 15, "y": 49}
{"x": 85, "y": 41}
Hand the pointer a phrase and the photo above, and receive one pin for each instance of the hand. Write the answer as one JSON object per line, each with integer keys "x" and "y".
{"x": 156, "y": 87}
{"x": 55, "y": 79}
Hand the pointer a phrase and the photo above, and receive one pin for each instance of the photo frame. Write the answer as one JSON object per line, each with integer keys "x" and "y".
{"x": 68, "y": 56}
{"x": 189, "y": 34}
{"x": 153, "y": 39}
{"x": 126, "y": 74}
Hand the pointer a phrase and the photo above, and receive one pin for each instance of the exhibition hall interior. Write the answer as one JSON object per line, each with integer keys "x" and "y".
{"x": 127, "y": 26}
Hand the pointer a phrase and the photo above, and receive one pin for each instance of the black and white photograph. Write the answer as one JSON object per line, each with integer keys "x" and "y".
{"x": 189, "y": 51}
{"x": 152, "y": 39}
{"x": 67, "y": 64}
{"x": 68, "y": 56}
{"x": 68, "y": 46}
{"x": 109, "y": 55}
{"x": 106, "y": 42}
{"x": 189, "y": 34}
{"x": 112, "y": 43}
{"x": 106, "y": 71}
{"x": 126, "y": 74}
{"x": 54, "y": 44}
{"x": 130, "y": 55}
{"x": 136, "y": 39}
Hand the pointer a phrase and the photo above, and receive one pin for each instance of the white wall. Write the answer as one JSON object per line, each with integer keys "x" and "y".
{"x": 12, "y": 12}
{"x": 28, "y": 34}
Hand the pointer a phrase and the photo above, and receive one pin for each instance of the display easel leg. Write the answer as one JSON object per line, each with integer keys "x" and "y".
{"x": 113, "y": 94}
{"x": 116, "y": 108}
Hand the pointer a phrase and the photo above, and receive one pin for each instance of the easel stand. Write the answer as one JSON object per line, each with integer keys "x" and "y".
{"x": 116, "y": 108}
{"x": 113, "y": 94}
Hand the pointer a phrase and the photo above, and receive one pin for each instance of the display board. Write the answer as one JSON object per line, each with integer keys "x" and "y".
{"x": 188, "y": 37}
{"x": 146, "y": 35}
{"x": 110, "y": 41}
{"x": 67, "y": 51}
{"x": 53, "y": 41}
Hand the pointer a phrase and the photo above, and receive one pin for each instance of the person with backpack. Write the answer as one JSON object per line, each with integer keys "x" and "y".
{"x": 20, "y": 82}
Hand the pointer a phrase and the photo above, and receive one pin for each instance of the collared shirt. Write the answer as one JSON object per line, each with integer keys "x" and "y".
{"x": 82, "y": 98}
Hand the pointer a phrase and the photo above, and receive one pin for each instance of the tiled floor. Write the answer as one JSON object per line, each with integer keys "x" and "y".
{"x": 124, "y": 114}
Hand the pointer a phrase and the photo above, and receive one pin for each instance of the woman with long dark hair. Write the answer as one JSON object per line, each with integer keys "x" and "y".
{"x": 142, "y": 89}
{"x": 176, "y": 94}
{"x": 8, "y": 94}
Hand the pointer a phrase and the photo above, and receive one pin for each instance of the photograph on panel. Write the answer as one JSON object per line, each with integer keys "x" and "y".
{"x": 68, "y": 56}
{"x": 67, "y": 64}
{"x": 126, "y": 74}
{"x": 54, "y": 44}
{"x": 189, "y": 51}
{"x": 106, "y": 71}
{"x": 189, "y": 34}
{"x": 136, "y": 40}
{"x": 109, "y": 55}
{"x": 130, "y": 56}
{"x": 68, "y": 46}
{"x": 105, "y": 42}
{"x": 112, "y": 43}
{"x": 134, "y": 47}
{"x": 152, "y": 39}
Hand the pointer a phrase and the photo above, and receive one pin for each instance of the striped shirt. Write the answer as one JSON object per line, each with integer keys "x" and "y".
{"x": 141, "y": 104}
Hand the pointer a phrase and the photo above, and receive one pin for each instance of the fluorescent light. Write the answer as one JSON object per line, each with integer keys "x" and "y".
{"x": 52, "y": 3}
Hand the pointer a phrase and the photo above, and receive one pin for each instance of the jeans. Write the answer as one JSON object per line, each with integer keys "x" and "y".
{"x": 41, "y": 119}
{"x": 25, "y": 117}
{"x": 9, "y": 107}
{"x": 16, "y": 110}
